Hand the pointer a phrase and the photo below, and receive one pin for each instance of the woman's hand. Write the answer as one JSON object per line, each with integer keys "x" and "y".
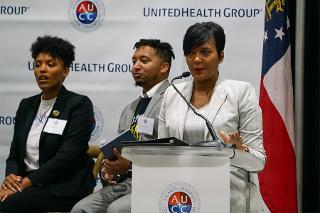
{"x": 235, "y": 139}
{"x": 13, "y": 183}
{"x": 5, "y": 193}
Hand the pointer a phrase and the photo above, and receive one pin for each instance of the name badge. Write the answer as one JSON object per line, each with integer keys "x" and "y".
{"x": 145, "y": 125}
{"x": 55, "y": 126}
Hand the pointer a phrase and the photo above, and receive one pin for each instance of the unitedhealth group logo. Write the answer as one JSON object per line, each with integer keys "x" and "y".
{"x": 6, "y": 120}
{"x": 13, "y": 10}
{"x": 86, "y": 16}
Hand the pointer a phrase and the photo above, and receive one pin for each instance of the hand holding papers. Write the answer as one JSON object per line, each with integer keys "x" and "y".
{"x": 106, "y": 148}
{"x": 127, "y": 139}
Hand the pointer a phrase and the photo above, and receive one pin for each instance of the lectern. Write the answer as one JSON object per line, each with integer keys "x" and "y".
{"x": 171, "y": 179}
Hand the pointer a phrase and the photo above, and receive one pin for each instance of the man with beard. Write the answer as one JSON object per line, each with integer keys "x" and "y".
{"x": 151, "y": 65}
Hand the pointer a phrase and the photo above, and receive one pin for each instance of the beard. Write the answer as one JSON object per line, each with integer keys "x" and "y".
{"x": 139, "y": 83}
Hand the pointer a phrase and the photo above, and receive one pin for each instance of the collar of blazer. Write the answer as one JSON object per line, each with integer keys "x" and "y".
{"x": 29, "y": 116}
{"x": 218, "y": 97}
{"x": 60, "y": 102}
{"x": 32, "y": 110}
{"x": 58, "y": 106}
{"x": 154, "y": 100}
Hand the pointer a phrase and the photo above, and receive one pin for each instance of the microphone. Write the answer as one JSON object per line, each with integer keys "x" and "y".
{"x": 208, "y": 124}
{"x": 183, "y": 75}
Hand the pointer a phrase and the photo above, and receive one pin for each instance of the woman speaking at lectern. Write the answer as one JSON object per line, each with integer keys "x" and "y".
{"x": 230, "y": 106}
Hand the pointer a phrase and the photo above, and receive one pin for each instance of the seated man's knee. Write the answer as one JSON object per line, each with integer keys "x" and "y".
{"x": 79, "y": 207}
{"x": 121, "y": 205}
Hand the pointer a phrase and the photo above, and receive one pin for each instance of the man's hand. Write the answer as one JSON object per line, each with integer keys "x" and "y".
{"x": 13, "y": 183}
{"x": 107, "y": 177}
{"x": 117, "y": 167}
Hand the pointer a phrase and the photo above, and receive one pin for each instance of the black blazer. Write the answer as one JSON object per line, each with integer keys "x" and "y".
{"x": 64, "y": 165}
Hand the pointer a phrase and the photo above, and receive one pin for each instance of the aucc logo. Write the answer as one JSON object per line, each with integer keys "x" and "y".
{"x": 179, "y": 202}
{"x": 179, "y": 197}
{"x": 86, "y": 12}
{"x": 86, "y": 16}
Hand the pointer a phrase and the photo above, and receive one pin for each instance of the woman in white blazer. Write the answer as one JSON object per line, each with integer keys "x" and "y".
{"x": 231, "y": 106}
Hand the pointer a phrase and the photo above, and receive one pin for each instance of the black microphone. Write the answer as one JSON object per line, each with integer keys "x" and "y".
{"x": 183, "y": 75}
{"x": 208, "y": 124}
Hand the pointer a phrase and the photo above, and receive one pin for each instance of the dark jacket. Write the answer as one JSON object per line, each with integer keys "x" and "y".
{"x": 64, "y": 165}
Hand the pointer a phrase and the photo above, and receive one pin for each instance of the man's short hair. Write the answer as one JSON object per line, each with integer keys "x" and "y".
{"x": 163, "y": 49}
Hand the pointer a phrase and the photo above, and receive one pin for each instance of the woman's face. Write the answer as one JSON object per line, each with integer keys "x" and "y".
{"x": 204, "y": 60}
{"x": 49, "y": 73}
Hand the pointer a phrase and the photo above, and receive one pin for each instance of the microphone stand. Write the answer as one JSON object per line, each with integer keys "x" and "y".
{"x": 208, "y": 124}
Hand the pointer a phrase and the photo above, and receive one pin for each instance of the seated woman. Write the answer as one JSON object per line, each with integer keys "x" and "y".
{"x": 231, "y": 106}
{"x": 48, "y": 168}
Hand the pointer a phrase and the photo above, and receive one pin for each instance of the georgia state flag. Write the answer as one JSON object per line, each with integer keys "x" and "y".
{"x": 278, "y": 184}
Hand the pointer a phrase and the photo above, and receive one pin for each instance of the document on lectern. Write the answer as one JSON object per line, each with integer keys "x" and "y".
{"x": 171, "y": 141}
{"x": 107, "y": 147}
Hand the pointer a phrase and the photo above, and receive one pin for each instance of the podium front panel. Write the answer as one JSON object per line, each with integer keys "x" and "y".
{"x": 182, "y": 183}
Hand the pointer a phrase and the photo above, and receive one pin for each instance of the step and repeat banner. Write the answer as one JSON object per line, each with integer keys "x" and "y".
{"x": 104, "y": 32}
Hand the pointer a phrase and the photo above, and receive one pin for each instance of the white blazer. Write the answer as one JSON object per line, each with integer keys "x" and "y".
{"x": 234, "y": 108}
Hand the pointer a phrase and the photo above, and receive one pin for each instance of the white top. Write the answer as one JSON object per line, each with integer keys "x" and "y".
{"x": 194, "y": 125}
{"x": 32, "y": 150}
